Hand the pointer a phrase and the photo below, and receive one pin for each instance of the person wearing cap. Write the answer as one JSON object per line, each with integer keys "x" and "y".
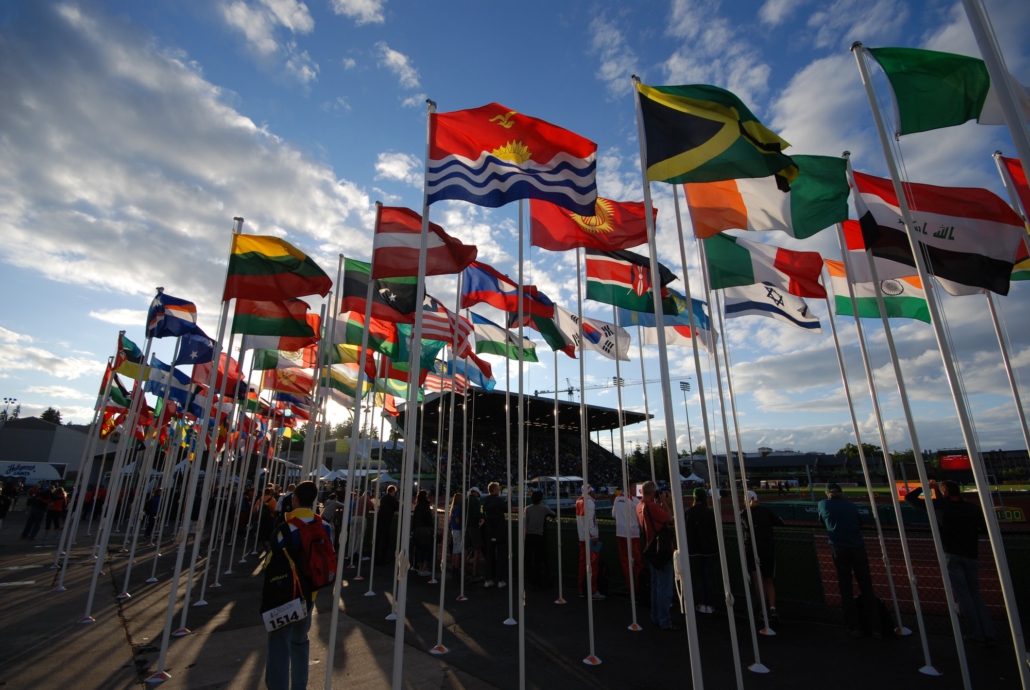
{"x": 765, "y": 541}
{"x": 844, "y": 528}
{"x": 474, "y": 530}
{"x": 589, "y": 540}
{"x": 703, "y": 547}
{"x": 627, "y": 534}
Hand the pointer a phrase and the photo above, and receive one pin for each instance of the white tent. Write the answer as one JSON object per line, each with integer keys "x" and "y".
{"x": 692, "y": 478}
{"x": 29, "y": 472}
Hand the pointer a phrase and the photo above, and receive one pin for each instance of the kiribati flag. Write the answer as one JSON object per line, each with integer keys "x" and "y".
{"x": 483, "y": 283}
{"x": 492, "y": 155}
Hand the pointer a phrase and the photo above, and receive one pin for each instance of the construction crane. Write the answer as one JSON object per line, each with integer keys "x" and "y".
{"x": 614, "y": 383}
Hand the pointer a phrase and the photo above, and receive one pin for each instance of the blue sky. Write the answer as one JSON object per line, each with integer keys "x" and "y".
{"x": 131, "y": 133}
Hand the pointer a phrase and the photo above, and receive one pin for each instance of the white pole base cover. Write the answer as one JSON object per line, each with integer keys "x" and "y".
{"x": 902, "y": 631}
{"x": 181, "y": 632}
{"x": 123, "y": 596}
{"x": 151, "y": 580}
{"x": 635, "y": 627}
{"x": 930, "y": 671}
{"x": 201, "y": 602}
{"x": 87, "y": 620}
{"x": 370, "y": 593}
{"x": 60, "y": 589}
{"x": 462, "y": 597}
{"x": 215, "y": 585}
{"x": 559, "y": 600}
{"x": 438, "y": 650}
{"x": 767, "y": 631}
{"x": 159, "y": 677}
{"x": 592, "y": 661}
{"x": 510, "y": 621}
{"x": 392, "y": 617}
{"x": 758, "y": 668}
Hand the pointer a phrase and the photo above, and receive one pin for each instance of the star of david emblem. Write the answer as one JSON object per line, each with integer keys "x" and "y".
{"x": 774, "y": 296}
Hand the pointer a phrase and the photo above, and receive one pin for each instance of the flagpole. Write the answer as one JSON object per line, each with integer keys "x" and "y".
{"x": 440, "y": 648}
{"x": 310, "y": 443}
{"x": 436, "y": 487}
{"x": 557, "y": 482}
{"x": 634, "y": 626}
{"x": 1000, "y": 77}
{"x": 100, "y": 473}
{"x": 66, "y": 536}
{"x": 965, "y": 423}
{"x": 521, "y": 468}
{"x": 900, "y": 629}
{"x": 160, "y": 675}
{"x": 591, "y": 659}
{"x": 757, "y": 666}
{"x": 885, "y": 450}
{"x": 167, "y": 482}
{"x": 466, "y": 454}
{"x": 1014, "y": 200}
{"x": 254, "y": 482}
{"x": 643, "y": 383}
{"x": 510, "y": 620}
{"x": 409, "y": 448}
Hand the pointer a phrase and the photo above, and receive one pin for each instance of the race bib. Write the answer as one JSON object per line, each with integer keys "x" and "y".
{"x": 280, "y": 617}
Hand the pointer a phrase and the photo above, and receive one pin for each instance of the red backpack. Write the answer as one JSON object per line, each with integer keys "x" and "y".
{"x": 318, "y": 557}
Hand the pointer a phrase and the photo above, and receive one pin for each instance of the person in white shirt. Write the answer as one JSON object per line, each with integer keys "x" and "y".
{"x": 627, "y": 533}
{"x": 586, "y": 522}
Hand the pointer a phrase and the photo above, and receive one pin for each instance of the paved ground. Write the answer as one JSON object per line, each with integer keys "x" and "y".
{"x": 41, "y": 645}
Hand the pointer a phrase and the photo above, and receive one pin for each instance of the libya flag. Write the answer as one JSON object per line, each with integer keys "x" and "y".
{"x": 934, "y": 90}
{"x": 701, "y": 133}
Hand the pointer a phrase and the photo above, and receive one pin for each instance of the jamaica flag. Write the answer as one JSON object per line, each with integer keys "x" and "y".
{"x": 701, "y": 133}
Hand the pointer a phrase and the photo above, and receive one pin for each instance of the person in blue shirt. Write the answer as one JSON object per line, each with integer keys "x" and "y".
{"x": 849, "y": 556}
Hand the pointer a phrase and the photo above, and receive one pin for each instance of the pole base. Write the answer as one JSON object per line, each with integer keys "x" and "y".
{"x": 181, "y": 632}
{"x": 392, "y": 617}
{"x": 370, "y": 593}
{"x": 903, "y": 631}
{"x": 357, "y": 577}
{"x": 62, "y": 588}
{"x": 930, "y": 671}
{"x": 559, "y": 600}
{"x": 592, "y": 661}
{"x": 758, "y": 668}
{"x": 53, "y": 567}
{"x": 769, "y": 632}
{"x": 433, "y": 581}
{"x": 123, "y": 596}
{"x": 462, "y": 597}
{"x": 159, "y": 677}
{"x": 87, "y": 620}
{"x": 200, "y": 602}
{"x": 635, "y": 627}
{"x": 242, "y": 560}
{"x": 510, "y": 621}
{"x": 227, "y": 572}
{"x": 438, "y": 650}
{"x": 215, "y": 585}
{"x": 151, "y": 580}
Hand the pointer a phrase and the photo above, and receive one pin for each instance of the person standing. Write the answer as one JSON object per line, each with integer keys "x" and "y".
{"x": 843, "y": 526}
{"x": 152, "y": 510}
{"x": 961, "y": 523}
{"x": 454, "y": 524}
{"x": 495, "y": 536}
{"x": 627, "y": 534}
{"x": 356, "y": 537}
{"x": 474, "y": 529}
{"x": 388, "y": 506}
{"x": 37, "y": 509}
{"x": 589, "y": 542}
{"x": 703, "y": 547}
{"x": 286, "y": 665}
{"x": 422, "y": 526}
{"x": 55, "y": 512}
{"x": 765, "y": 539}
{"x": 656, "y": 524}
{"x": 536, "y": 550}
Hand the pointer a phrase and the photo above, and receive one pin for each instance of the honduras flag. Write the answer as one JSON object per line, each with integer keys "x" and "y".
{"x": 170, "y": 317}
{"x": 181, "y": 384}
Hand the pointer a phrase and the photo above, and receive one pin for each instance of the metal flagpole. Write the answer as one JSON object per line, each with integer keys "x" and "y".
{"x": 1008, "y": 369}
{"x": 167, "y": 482}
{"x": 591, "y": 659}
{"x": 557, "y": 482}
{"x": 670, "y": 423}
{"x": 520, "y": 469}
{"x": 982, "y": 484}
{"x": 643, "y": 383}
{"x": 65, "y": 537}
{"x": 307, "y": 463}
{"x": 885, "y": 450}
{"x": 251, "y": 448}
{"x": 1014, "y": 200}
{"x": 757, "y": 666}
{"x": 100, "y": 476}
{"x": 160, "y": 675}
{"x": 634, "y": 626}
{"x": 436, "y": 491}
{"x": 466, "y": 461}
{"x": 510, "y": 620}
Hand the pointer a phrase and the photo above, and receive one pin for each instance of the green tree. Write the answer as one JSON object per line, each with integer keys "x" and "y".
{"x": 900, "y": 456}
{"x": 851, "y": 451}
{"x": 700, "y": 450}
{"x": 52, "y": 415}
{"x": 6, "y": 416}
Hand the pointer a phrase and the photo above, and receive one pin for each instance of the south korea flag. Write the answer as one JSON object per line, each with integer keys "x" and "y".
{"x": 598, "y": 336}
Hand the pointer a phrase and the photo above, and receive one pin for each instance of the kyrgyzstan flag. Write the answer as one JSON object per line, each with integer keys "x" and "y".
{"x": 615, "y": 225}
{"x": 970, "y": 236}
{"x": 398, "y": 240}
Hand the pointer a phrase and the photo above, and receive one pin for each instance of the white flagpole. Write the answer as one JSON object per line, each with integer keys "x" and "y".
{"x": 466, "y": 460}
{"x": 409, "y": 447}
{"x": 634, "y": 626}
{"x": 167, "y": 483}
{"x": 100, "y": 476}
{"x": 510, "y": 620}
{"x": 520, "y": 468}
{"x": 1014, "y": 199}
{"x": 643, "y": 383}
{"x": 670, "y": 421}
{"x": 557, "y": 482}
{"x": 436, "y": 491}
{"x": 757, "y": 666}
{"x": 965, "y": 422}
{"x": 584, "y": 434}
{"x": 160, "y": 675}
{"x": 1000, "y": 78}
{"x": 249, "y": 452}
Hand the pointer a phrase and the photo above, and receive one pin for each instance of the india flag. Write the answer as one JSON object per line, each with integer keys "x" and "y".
{"x": 817, "y": 199}
{"x": 903, "y": 297}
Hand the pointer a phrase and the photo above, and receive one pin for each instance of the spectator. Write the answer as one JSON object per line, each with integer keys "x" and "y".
{"x": 37, "y": 509}
{"x": 332, "y": 512}
{"x": 849, "y": 555}
{"x": 359, "y": 517}
{"x": 589, "y": 541}
{"x": 474, "y": 530}
{"x": 101, "y": 498}
{"x": 454, "y": 524}
{"x": 495, "y": 537}
{"x": 55, "y": 512}
{"x": 627, "y": 534}
{"x": 152, "y": 510}
{"x": 287, "y": 662}
{"x": 388, "y": 505}
{"x": 703, "y": 547}
{"x": 656, "y": 520}
{"x": 765, "y": 540}
{"x": 961, "y": 523}
{"x": 536, "y": 548}
{"x": 266, "y": 518}
{"x": 285, "y": 503}
{"x": 5, "y": 506}
{"x": 422, "y": 526}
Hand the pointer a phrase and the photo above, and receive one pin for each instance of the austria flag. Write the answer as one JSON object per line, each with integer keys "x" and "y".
{"x": 970, "y": 235}
{"x": 397, "y": 242}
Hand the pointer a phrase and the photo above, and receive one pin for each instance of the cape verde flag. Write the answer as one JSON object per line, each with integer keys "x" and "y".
{"x": 492, "y": 155}
{"x": 483, "y": 283}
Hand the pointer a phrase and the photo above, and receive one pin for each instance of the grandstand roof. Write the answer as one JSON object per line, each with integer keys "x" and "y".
{"x": 488, "y": 410}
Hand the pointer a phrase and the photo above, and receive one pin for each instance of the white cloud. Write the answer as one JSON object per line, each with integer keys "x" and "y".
{"x": 775, "y": 12}
{"x": 399, "y": 167}
{"x": 15, "y": 358}
{"x": 129, "y": 157}
{"x": 362, "y": 11}
{"x": 618, "y": 61}
{"x": 120, "y": 317}
{"x": 261, "y": 21}
{"x": 399, "y": 64}
{"x": 59, "y": 392}
{"x": 415, "y": 101}
{"x": 349, "y": 63}
{"x": 845, "y": 21}
{"x": 7, "y": 336}
{"x": 339, "y": 103}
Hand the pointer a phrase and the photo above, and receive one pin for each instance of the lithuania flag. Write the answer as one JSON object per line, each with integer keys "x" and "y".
{"x": 701, "y": 133}
{"x": 275, "y": 317}
{"x": 268, "y": 268}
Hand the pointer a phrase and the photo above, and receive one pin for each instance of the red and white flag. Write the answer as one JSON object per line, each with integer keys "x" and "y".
{"x": 397, "y": 241}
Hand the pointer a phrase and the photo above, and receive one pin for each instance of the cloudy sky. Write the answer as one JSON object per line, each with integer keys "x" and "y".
{"x": 131, "y": 134}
